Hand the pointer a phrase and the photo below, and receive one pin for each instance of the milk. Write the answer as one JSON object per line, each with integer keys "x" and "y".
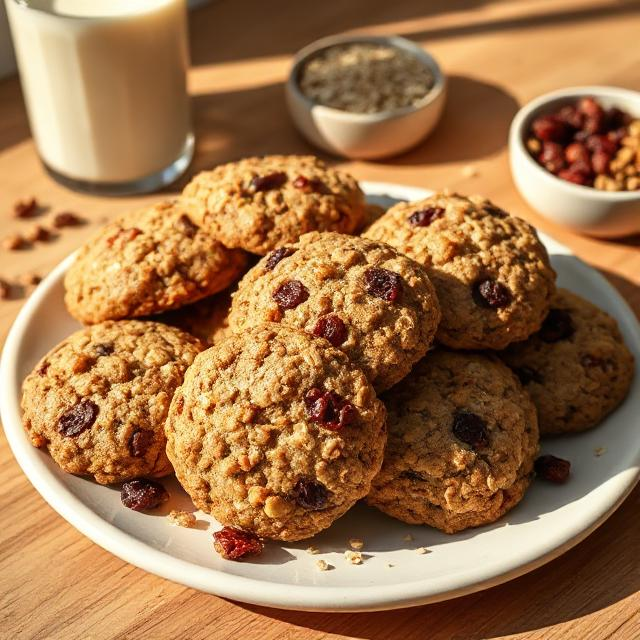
{"x": 105, "y": 87}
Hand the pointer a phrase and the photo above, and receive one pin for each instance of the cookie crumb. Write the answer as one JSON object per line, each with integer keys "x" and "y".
{"x": 312, "y": 550}
{"x": 182, "y": 519}
{"x": 5, "y": 289}
{"x": 469, "y": 171}
{"x": 390, "y": 566}
{"x": 356, "y": 543}
{"x": 599, "y": 451}
{"x": 67, "y": 219}
{"x": 408, "y": 538}
{"x": 323, "y": 565}
{"x": 354, "y": 557}
{"x": 422, "y": 550}
{"x": 13, "y": 242}
{"x": 25, "y": 208}
{"x": 37, "y": 233}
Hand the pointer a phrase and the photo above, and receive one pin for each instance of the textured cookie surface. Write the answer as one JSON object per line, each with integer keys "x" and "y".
{"x": 258, "y": 204}
{"x": 491, "y": 273}
{"x": 577, "y": 368}
{"x": 147, "y": 262}
{"x": 207, "y": 319}
{"x": 375, "y": 304}
{"x": 463, "y": 437}
{"x": 98, "y": 401}
{"x": 275, "y": 431}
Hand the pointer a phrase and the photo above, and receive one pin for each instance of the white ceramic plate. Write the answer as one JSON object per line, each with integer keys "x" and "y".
{"x": 550, "y": 519}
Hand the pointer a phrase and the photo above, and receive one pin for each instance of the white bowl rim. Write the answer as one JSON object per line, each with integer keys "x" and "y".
{"x": 397, "y": 42}
{"x": 245, "y": 589}
{"x": 517, "y": 132}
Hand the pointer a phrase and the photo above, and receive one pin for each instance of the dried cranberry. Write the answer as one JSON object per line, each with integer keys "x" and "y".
{"x": 550, "y": 129}
{"x": 496, "y": 212}
{"x": 589, "y": 106}
{"x": 276, "y": 256}
{"x": 570, "y": 115}
{"x": 310, "y": 494}
{"x": 600, "y": 162}
{"x": 616, "y": 136}
{"x": 104, "y": 349}
{"x": 290, "y": 294}
{"x": 310, "y": 185}
{"x": 527, "y": 375}
{"x": 185, "y": 225}
{"x": 575, "y": 175}
{"x": 268, "y": 182}
{"x": 141, "y": 494}
{"x": 66, "y": 219}
{"x": 471, "y": 429}
{"x": 79, "y": 418}
{"x": 331, "y": 328}
{"x": 491, "y": 294}
{"x": 552, "y": 157}
{"x": 553, "y": 469}
{"x": 140, "y": 442}
{"x": 233, "y": 543}
{"x": 44, "y": 367}
{"x": 382, "y": 283}
{"x": 557, "y": 326}
{"x": 601, "y": 143}
{"x": 329, "y": 409}
{"x": 616, "y": 118}
{"x": 124, "y": 236}
{"x": 577, "y": 151}
{"x": 594, "y": 124}
{"x": 424, "y": 217}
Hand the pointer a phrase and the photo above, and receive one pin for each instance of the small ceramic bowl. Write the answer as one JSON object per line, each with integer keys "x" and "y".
{"x": 365, "y": 135}
{"x": 589, "y": 210}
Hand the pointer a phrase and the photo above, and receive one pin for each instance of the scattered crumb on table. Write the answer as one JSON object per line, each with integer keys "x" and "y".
{"x": 354, "y": 557}
{"x": 182, "y": 519}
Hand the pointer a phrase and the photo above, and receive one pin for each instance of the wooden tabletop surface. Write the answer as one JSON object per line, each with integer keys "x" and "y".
{"x": 55, "y": 583}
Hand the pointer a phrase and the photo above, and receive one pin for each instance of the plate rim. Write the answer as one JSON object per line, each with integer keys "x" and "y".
{"x": 273, "y": 594}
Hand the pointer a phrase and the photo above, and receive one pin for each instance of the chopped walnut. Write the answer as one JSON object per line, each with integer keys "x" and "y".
{"x": 182, "y": 519}
{"x": 323, "y": 565}
{"x": 599, "y": 451}
{"x": 422, "y": 550}
{"x": 356, "y": 543}
{"x": 354, "y": 557}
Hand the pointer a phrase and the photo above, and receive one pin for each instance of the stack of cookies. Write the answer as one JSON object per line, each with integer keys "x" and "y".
{"x": 259, "y": 388}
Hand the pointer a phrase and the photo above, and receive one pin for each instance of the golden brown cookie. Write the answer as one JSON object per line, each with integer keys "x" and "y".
{"x": 98, "y": 401}
{"x": 364, "y": 297}
{"x": 258, "y": 204}
{"x": 276, "y": 432}
{"x": 147, "y": 262}
{"x": 491, "y": 272}
{"x": 463, "y": 437}
{"x": 577, "y": 368}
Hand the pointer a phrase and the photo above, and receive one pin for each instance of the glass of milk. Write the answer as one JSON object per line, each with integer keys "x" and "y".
{"x": 105, "y": 86}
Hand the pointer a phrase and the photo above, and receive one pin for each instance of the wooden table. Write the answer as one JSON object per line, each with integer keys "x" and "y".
{"x": 56, "y": 584}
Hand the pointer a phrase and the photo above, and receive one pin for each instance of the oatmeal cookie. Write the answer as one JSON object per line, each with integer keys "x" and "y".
{"x": 207, "y": 319}
{"x": 463, "y": 437}
{"x": 375, "y": 304}
{"x": 258, "y": 204}
{"x": 98, "y": 401}
{"x": 491, "y": 272}
{"x": 147, "y": 262}
{"x": 276, "y": 432}
{"x": 577, "y": 368}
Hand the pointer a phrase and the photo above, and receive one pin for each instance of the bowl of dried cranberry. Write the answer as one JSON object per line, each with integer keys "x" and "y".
{"x": 575, "y": 158}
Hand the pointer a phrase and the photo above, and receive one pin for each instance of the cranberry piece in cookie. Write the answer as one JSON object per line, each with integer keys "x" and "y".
{"x": 329, "y": 409}
{"x": 424, "y": 217}
{"x": 290, "y": 294}
{"x": 382, "y": 283}
{"x": 331, "y": 328}
{"x": 140, "y": 442}
{"x": 142, "y": 495}
{"x": 233, "y": 543}
{"x": 557, "y": 326}
{"x": 470, "y": 429}
{"x": 79, "y": 418}
{"x": 276, "y": 256}
{"x": 310, "y": 494}
{"x": 268, "y": 182}
{"x": 491, "y": 294}
{"x": 553, "y": 469}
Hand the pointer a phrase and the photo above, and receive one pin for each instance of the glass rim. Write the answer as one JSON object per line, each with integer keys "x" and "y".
{"x": 27, "y": 6}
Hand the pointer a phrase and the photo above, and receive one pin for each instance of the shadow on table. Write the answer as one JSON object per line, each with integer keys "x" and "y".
{"x": 567, "y": 589}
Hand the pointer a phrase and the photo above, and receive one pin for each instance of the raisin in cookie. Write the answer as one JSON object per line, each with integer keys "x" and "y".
{"x": 577, "y": 368}
{"x": 275, "y": 431}
{"x": 147, "y": 262}
{"x": 98, "y": 401}
{"x": 491, "y": 272}
{"x": 258, "y": 204}
{"x": 375, "y": 304}
{"x": 207, "y": 319}
{"x": 463, "y": 437}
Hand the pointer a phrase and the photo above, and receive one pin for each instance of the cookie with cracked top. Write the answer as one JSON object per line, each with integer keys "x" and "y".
{"x": 490, "y": 271}
{"x": 373, "y": 303}
{"x": 276, "y": 432}
{"x": 258, "y": 204}
{"x": 463, "y": 437}
{"x": 98, "y": 400}
{"x": 577, "y": 368}
{"x": 148, "y": 262}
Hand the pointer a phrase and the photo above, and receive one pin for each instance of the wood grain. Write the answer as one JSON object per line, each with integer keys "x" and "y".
{"x": 55, "y": 584}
